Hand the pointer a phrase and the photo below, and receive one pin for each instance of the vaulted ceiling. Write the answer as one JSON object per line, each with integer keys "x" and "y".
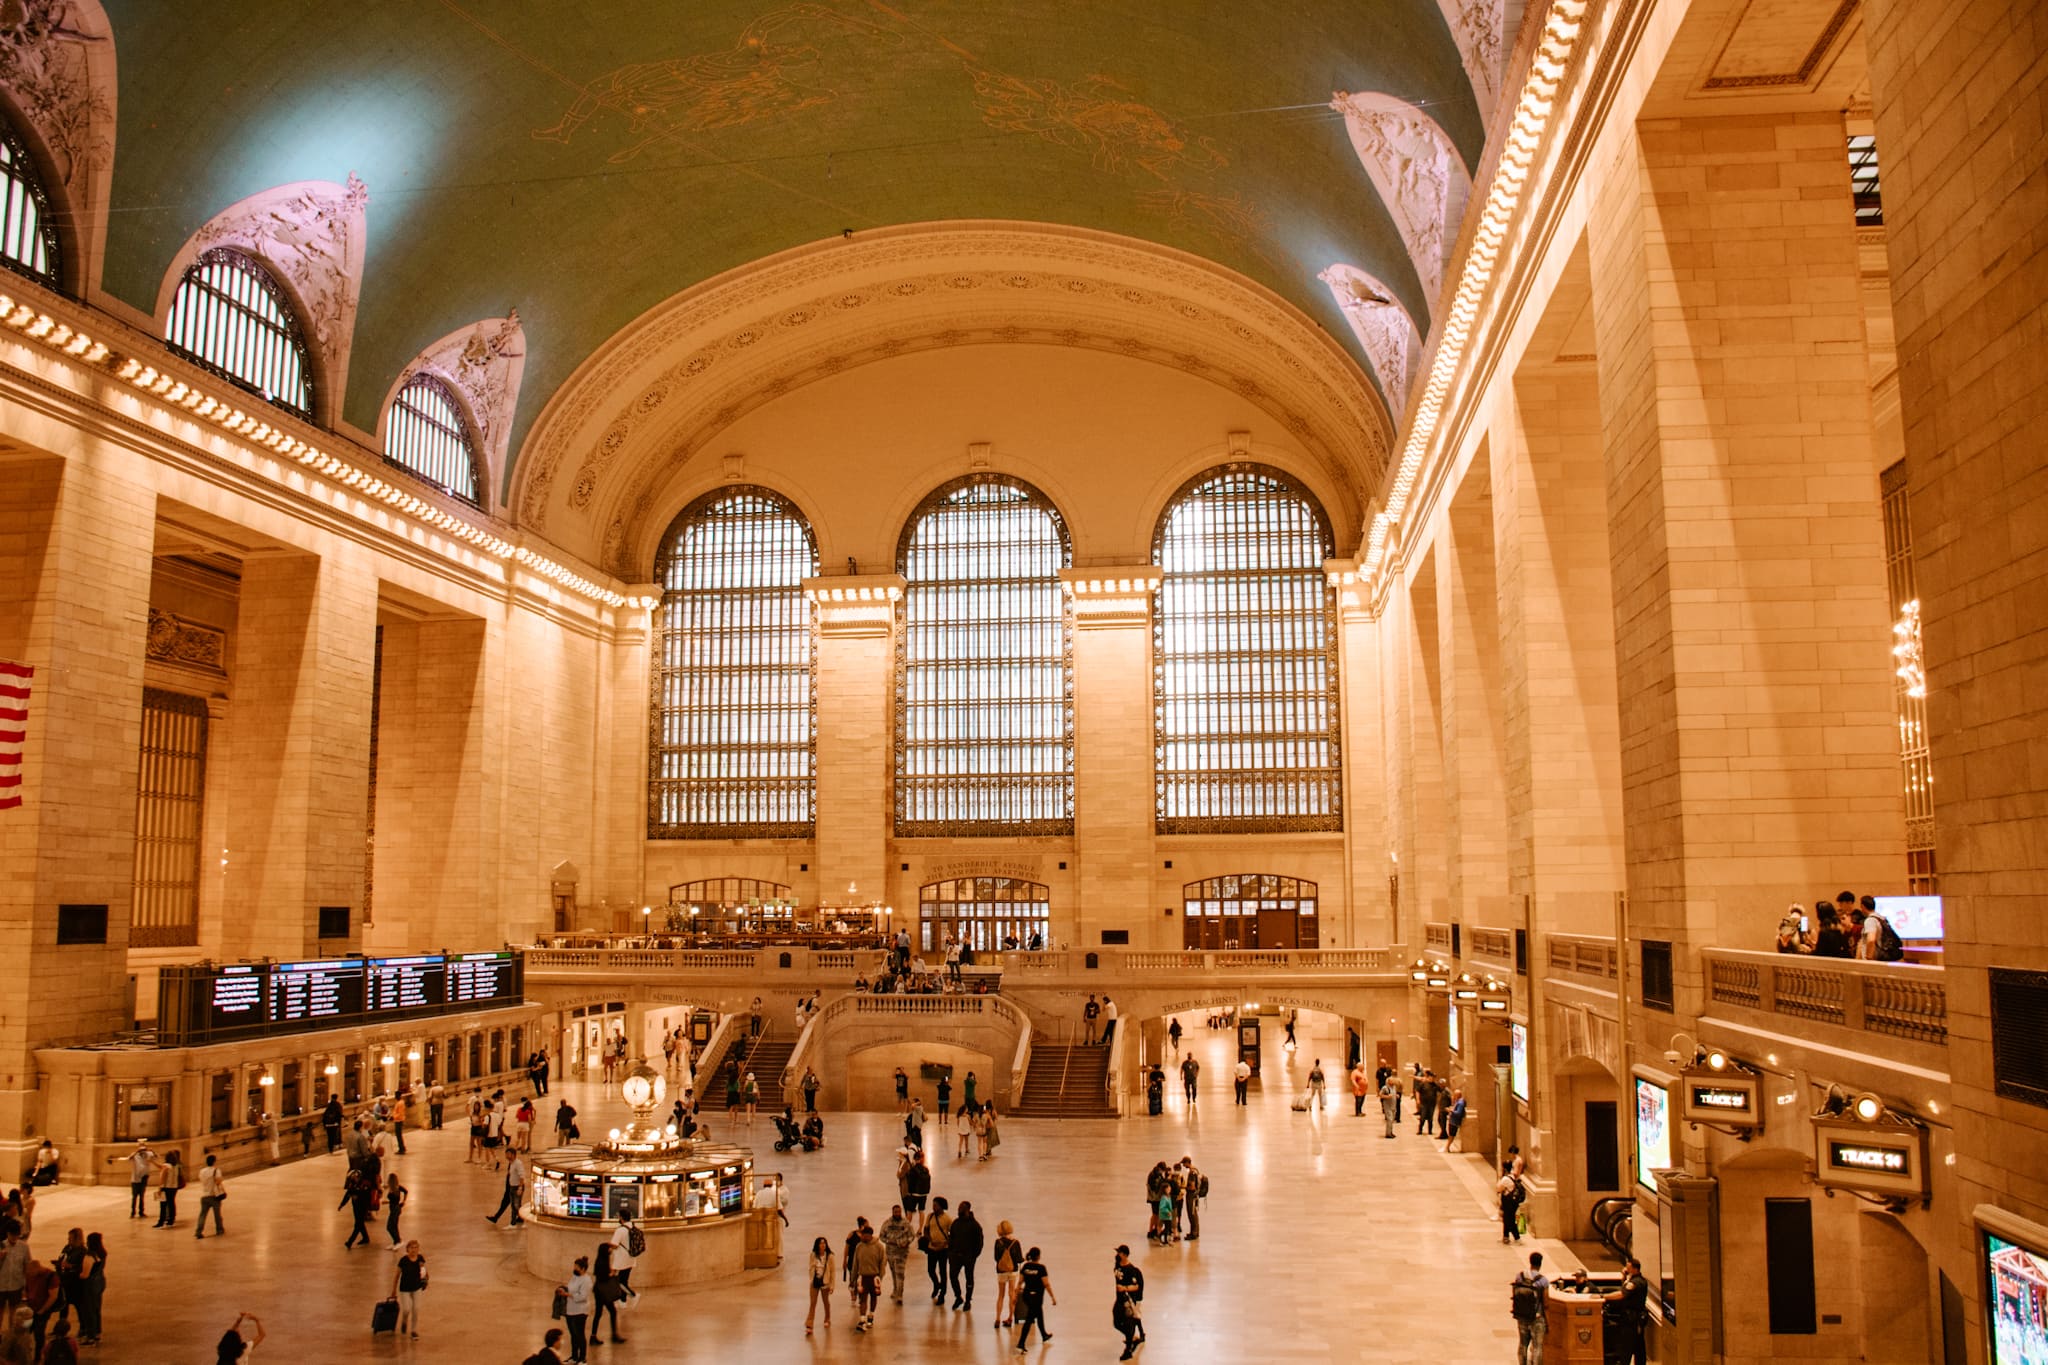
{"x": 584, "y": 162}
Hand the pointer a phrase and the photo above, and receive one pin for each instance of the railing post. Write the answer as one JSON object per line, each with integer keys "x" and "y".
{"x": 1852, "y": 999}
{"x": 1767, "y": 988}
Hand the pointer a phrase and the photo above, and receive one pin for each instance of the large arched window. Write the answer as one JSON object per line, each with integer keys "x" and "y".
{"x": 987, "y": 914}
{"x": 28, "y": 242}
{"x": 733, "y": 753}
{"x": 425, "y": 432}
{"x": 985, "y": 677}
{"x": 231, "y": 316}
{"x": 1245, "y": 663}
{"x": 1250, "y": 910}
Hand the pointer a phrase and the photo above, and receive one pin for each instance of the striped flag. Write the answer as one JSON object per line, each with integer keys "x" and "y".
{"x": 14, "y": 682}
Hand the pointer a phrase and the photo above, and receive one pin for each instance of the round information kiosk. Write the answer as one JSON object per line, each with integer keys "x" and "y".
{"x": 704, "y": 1211}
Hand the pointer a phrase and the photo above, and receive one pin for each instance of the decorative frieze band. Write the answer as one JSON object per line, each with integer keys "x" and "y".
{"x": 1111, "y": 597}
{"x": 856, "y": 604}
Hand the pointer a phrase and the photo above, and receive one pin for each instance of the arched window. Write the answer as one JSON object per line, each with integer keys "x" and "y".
{"x": 985, "y": 671}
{"x": 426, "y": 433}
{"x": 28, "y": 243}
{"x": 733, "y": 753}
{"x": 1250, "y": 910}
{"x": 232, "y": 317}
{"x": 986, "y": 914}
{"x": 1244, "y": 664}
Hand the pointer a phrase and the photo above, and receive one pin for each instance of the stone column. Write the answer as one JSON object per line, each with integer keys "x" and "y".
{"x": 1468, "y": 638}
{"x": 1369, "y": 921}
{"x": 621, "y": 773}
{"x": 856, "y": 731}
{"x": 1114, "y": 759}
{"x": 299, "y": 755}
{"x": 1960, "y": 93}
{"x": 1759, "y": 744}
{"x": 76, "y": 541}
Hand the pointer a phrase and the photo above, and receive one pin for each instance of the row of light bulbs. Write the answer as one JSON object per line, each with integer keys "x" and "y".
{"x": 252, "y": 427}
{"x": 1525, "y": 134}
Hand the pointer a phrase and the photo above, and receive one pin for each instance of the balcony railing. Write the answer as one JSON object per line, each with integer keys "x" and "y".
{"x": 1495, "y": 945}
{"x": 1437, "y": 938}
{"x": 1020, "y": 966}
{"x": 1578, "y": 955}
{"x": 1896, "y": 999}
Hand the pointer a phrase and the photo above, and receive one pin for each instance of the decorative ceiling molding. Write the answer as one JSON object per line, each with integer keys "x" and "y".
{"x": 312, "y": 233}
{"x": 57, "y": 66}
{"x": 482, "y": 362}
{"x": 1769, "y": 46}
{"x": 1389, "y": 336}
{"x": 1417, "y": 172}
{"x": 1476, "y": 28}
{"x": 660, "y": 390}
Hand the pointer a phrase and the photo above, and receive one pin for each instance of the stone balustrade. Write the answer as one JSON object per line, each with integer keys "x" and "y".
{"x": 1491, "y": 945}
{"x": 1579, "y": 955}
{"x": 799, "y": 964}
{"x": 1897, "y": 999}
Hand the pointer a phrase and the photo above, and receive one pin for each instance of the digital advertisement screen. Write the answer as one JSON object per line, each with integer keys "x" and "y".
{"x": 1518, "y": 1060}
{"x": 1653, "y": 1131}
{"x": 1912, "y": 917}
{"x": 1454, "y": 1030}
{"x": 2016, "y": 1294}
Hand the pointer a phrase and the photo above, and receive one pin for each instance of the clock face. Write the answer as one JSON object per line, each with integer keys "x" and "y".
{"x": 636, "y": 1090}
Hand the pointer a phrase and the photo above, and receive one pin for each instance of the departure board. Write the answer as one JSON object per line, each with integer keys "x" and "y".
{"x": 197, "y": 1004}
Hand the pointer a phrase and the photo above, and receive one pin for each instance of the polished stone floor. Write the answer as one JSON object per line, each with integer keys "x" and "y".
{"x": 1321, "y": 1242}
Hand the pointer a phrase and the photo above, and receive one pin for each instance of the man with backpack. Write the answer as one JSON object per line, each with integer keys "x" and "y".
{"x": 1511, "y": 1192}
{"x": 1529, "y": 1296}
{"x": 1876, "y": 940}
{"x": 1195, "y": 1189}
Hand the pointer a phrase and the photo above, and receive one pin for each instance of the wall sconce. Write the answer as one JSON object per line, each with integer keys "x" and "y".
{"x": 412, "y": 1055}
{"x": 330, "y": 1070}
{"x": 265, "y": 1080}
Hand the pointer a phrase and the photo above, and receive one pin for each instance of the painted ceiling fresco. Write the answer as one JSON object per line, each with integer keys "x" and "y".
{"x": 583, "y": 161}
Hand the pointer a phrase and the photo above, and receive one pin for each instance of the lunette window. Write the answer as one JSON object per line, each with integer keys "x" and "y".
{"x": 28, "y": 243}
{"x": 232, "y": 317}
{"x": 985, "y": 677}
{"x": 1244, "y": 664}
{"x": 733, "y": 749}
{"x": 427, "y": 434}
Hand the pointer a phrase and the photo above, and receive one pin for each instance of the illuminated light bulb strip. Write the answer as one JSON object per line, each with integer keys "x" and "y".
{"x": 56, "y": 335}
{"x": 1524, "y": 136}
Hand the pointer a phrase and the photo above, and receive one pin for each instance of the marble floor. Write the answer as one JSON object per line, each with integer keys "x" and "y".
{"x": 1321, "y": 1242}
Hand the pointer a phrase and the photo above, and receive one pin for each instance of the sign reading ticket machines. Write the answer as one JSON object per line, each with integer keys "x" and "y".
{"x": 1877, "y": 1160}
{"x": 1727, "y": 1098}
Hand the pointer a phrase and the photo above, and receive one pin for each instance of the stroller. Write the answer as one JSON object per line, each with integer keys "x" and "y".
{"x": 792, "y": 1137}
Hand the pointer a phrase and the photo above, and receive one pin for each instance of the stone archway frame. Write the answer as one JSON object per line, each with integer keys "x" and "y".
{"x": 57, "y": 64}
{"x": 593, "y": 473}
{"x": 483, "y": 362}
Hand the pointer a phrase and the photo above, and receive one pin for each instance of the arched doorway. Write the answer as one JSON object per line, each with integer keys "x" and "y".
{"x": 987, "y": 914}
{"x": 1250, "y": 910}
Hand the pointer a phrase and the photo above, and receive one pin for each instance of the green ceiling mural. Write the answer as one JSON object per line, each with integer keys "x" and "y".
{"x": 585, "y": 161}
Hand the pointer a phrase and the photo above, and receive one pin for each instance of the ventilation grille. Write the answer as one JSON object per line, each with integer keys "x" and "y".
{"x": 2019, "y": 1035}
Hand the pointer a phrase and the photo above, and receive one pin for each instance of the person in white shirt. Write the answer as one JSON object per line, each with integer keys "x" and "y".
{"x": 141, "y": 1165}
{"x": 386, "y": 1146}
{"x": 622, "y": 1256}
{"x": 211, "y": 1191}
{"x": 1108, "y": 1020}
{"x": 1241, "y": 1077}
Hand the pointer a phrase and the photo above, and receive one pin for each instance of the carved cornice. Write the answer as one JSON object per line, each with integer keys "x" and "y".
{"x": 57, "y": 65}
{"x": 189, "y": 645}
{"x": 1107, "y": 598}
{"x": 651, "y": 400}
{"x": 855, "y": 605}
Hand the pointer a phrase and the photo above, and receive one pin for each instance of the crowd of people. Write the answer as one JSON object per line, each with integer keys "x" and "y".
{"x": 1847, "y": 926}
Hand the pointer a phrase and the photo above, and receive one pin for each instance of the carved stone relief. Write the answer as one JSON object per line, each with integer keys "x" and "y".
{"x": 1417, "y": 172}
{"x": 1390, "y": 339}
{"x": 46, "y": 51}
{"x": 185, "y": 644}
{"x": 484, "y": 363}
{"x": 1476, "y": 28}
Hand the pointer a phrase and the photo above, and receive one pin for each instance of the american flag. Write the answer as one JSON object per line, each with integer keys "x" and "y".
{"x": 14, "y": 682}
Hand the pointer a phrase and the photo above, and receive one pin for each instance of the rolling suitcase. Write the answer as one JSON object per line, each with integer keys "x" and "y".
{"x": 384, "y": 1317}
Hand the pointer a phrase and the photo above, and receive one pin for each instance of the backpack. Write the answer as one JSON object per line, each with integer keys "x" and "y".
{"x": 1527, "y": 1304}
{"x": 636, "y": 1243}
{"x": 1519, "y": 1193}
{"x": 1007, "y": 1261}
{"x": 1889, "y": 946}
{"x": 1202, "y": 1190}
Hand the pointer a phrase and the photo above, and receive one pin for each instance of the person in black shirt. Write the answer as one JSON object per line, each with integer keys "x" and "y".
{"x": 1632, "y": 1302}
{"x": 1034, "y": 1291}
{"x": 1125, "y": 1313}
{"x": 1829, "y": 940}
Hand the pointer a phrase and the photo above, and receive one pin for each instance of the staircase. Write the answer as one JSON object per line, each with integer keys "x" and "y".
{"x": 765, "y": 1056}
{"x": 1065, "y": 1082}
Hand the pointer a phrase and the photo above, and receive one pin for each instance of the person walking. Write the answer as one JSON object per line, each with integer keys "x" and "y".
{"x": 1358, "y": 1083}
{"x": 1034, "y": 1291}
{"x": 1390, "y": 1104}
{"x": 330, "y": 1123}
{"x": 170, "y": 1178}
{"x": 1510, "y": 1191}
{"x": 991, "y": 1132}
{"x": 141, "y": 1165}
{"x": 1292, "y": 1015}
{"x": 395, "y": 1197}
{"x": 1241, "y": 1077}
{"x": 605, "y": 1291}
{"x": 963, "y": 1250}
{"x": 565, "y": 1123}
{"x": 913, "y": 1125}
{"x": 919, "y": 1182}
{"x": 408, "y": 1281}
{"x": 869, "y": 1256}
{"x": 750, "y": 1094}
{"x": 625, "y": 1252}
{"x": 938, "y": 1242}
{"x": 896, "y": 1236}
{"x": 1190, "y": 1072}
{"x": 1108, "y": 1020}
{"x": 515, "y": 1192}
{"x": 1126, "y": 1312}
{"x": 821, "y": 1284}
{"x": 212, "y": 1189}
{"x": 575, "y": 1300}
{"x": 1316, "y": 1083}
{"x": 1008, "y": 1254}
{"x": 357, "y": 1193}
{"x": 1529, "y": 1295}
{"x": 945, "y": 1097}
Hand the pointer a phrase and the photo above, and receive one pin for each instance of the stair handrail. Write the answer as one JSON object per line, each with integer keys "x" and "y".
{"x": 812, "y": 1039}
{"x": 715, "y": 1048}
{"x": 1020, "y": 1064}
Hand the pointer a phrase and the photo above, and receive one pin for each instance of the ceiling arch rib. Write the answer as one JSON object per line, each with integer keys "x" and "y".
{"x": 652, "y": 398}
{"x": 1383, "y": 328}
{"x": 1417, "y": 171}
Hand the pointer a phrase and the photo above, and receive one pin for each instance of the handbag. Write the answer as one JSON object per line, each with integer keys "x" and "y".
{"x": 561, "y": 1304}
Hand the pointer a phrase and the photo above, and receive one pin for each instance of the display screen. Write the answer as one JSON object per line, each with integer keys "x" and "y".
{"x": 1454, "y": 1030}
{"x": 2016, "y": 1295}
{"x": 586, "y": 1197}
{"x": 1518, "y": 1060}
{"x": 1653, "y": 1131}
{"x": 198, "y": 1004}
{"x": 731, "y": 1194}
{"x": 1912, "y": 917}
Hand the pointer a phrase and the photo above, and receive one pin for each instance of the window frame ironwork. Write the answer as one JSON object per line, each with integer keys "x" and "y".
{"x": 1062, "y": 784}
{"x": 1865, "y": 185}
{"x": 663, "y": 636}
{"x": 930, "y": 936}
{"x": 744, "y": 889}
{"x": 25, "y": 192}
{"x": 1275, "y": 891}
{"x": 170, "y": 819}
{"x": 1916, "y": 759}
{"x": 1331, "y": 773}
{"x": 239, "y": 324}
{"x": 437, "y": 440}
